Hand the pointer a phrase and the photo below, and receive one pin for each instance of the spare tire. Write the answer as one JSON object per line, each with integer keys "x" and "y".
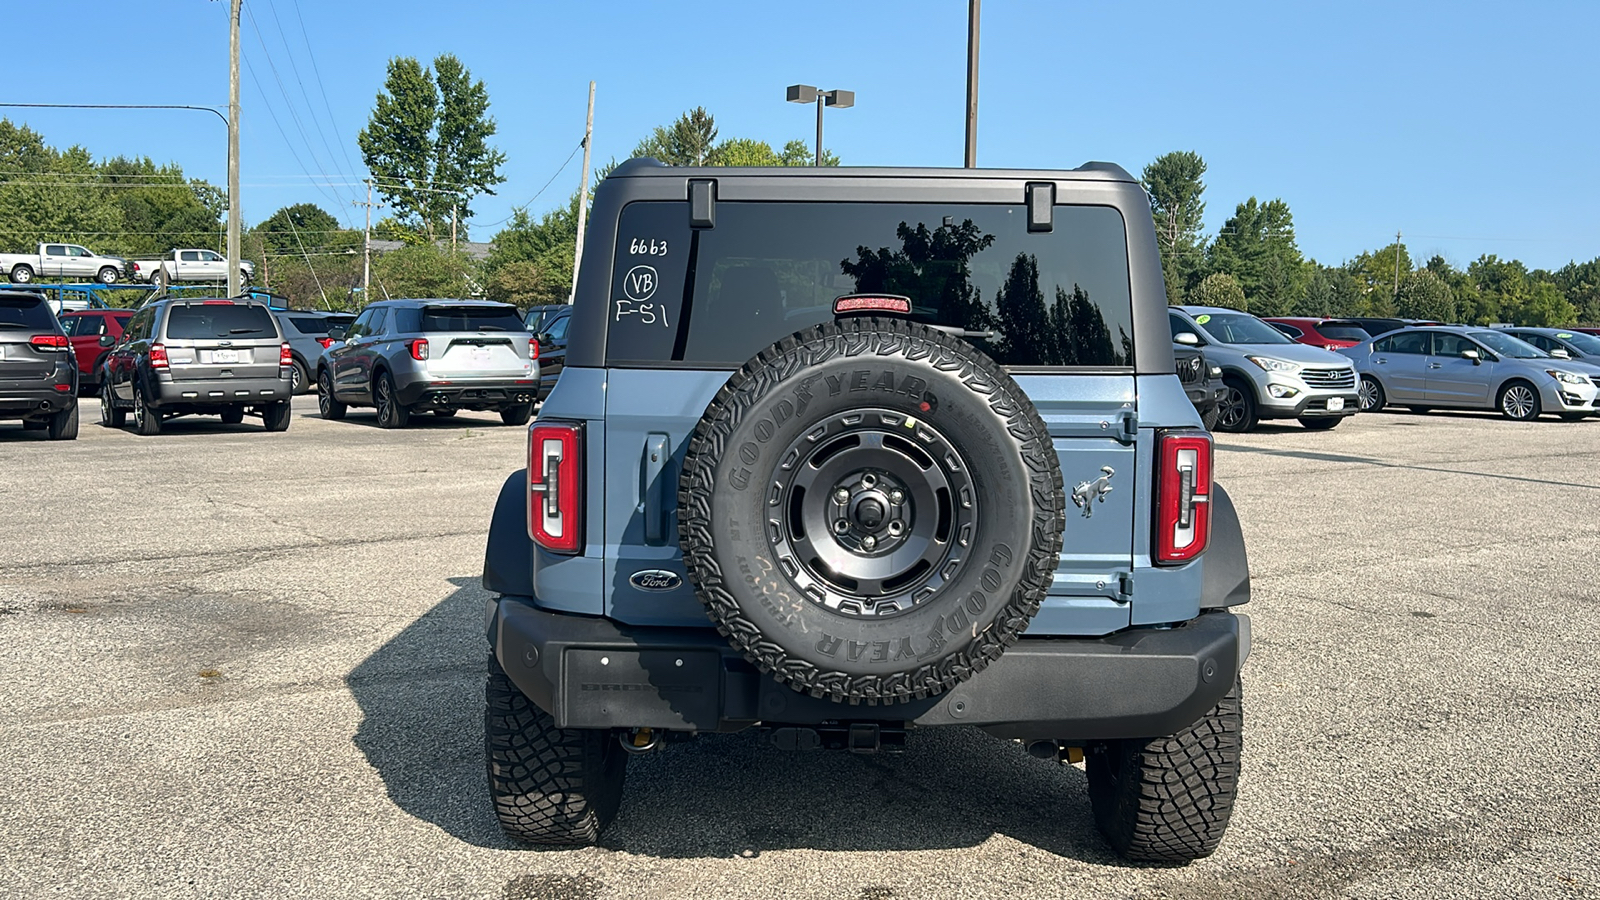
{"x": 871, "y": 510}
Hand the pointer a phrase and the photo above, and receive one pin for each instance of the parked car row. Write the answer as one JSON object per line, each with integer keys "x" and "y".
{"x": 63, "y": 261}
{"x": 38, "y": 375}
{"x": 1320, "y": 370}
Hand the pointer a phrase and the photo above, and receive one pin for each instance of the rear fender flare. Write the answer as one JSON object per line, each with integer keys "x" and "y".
{"x": 1226, "y": 578}
{"x": 508, "y": 556}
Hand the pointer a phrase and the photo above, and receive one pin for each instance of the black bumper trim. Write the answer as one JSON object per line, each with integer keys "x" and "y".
{"x": 488, "y": 394}
{"x": 596, "y": 673}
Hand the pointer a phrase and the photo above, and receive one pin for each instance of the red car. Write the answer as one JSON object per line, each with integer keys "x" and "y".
{"x": 1329, "y": 334}
{"x": 1588, "y": 330}
{"x": 84, "y": 328}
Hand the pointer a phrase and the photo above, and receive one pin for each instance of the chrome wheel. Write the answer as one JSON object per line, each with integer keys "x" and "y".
{"x": 1370, "y": 395}
{"x": 868, "y": 517}
{"x": 1519, "y": 402}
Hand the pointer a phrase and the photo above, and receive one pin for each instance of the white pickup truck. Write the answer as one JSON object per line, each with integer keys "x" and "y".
{"x": 64, "y": 261}
{"x": 188, "y": 265}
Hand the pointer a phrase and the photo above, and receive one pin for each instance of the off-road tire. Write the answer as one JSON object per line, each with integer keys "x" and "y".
{"x": 330, "y": 408}
{"x": 1168, "y": 800}
{"x": 276, "y": 415}
{"x": 936, "y": 386}
{"x": 517, "y": 415}
{"x": 1237, "y": 408}
{"x": 232, "y": 415}
{"x": 146, "y": 421}
{"x": 63, "y": 426}
{"x": 111, "y": 415}
{"x": 551, "y": 786}
{"x": 391, "y": 412}
{"x": 1321, "y": 423}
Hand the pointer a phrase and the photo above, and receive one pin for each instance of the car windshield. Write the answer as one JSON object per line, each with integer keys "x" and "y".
{"x": 1587, "y": 344}
{"x": 1239, "y": 328}
{"x": 1507, "y": 346}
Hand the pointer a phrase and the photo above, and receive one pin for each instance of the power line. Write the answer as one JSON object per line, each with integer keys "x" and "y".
{"x": 257, "y": 82}
{"x": 320, "y": 86}
{"x": 310, "y": 110}
{"x": 523, "y": 207}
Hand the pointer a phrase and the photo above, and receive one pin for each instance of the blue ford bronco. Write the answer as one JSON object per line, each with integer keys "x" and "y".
{"x": 842, "y": 453}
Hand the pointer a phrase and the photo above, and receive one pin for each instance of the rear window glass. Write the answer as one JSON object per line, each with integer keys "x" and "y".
{"x": 26, "y": 312}
{"x": 1343, "y": 332}
{"x": 458, "y": 318}
{"x": 217, "y": 320}
{"x": 318, "y": 324}
{"x": 715, "y": 297}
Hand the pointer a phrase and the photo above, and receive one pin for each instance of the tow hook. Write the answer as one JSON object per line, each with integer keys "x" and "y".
{"x": 640, "y": 740}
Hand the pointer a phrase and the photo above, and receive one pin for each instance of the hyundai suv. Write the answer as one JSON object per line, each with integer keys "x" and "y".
{"x": 841, "y": 453}
{"x": 197, "y": 357}
{"x": 438, "y": 356}
{"x": 38, "y": 373}
{"x": 1268, "y": 375}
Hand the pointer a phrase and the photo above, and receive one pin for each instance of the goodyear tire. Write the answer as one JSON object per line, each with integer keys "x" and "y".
{"x": 871, "y": 511}
{"x": 1168, "y": 800}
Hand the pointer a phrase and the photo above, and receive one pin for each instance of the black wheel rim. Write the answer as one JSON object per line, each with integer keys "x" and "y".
{"x": 385, "y": 402}
{"x": 1233, "y": 409}
{"x": 324, "y": 393}
{"x": 105, "y": 404}
{"x": 871, "y": 513}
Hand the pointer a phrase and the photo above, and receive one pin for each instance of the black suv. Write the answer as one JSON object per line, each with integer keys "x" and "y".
{"x": 38, "y": 372}
{"x": 205, "y": 356}
{"x": 841, "y": 453}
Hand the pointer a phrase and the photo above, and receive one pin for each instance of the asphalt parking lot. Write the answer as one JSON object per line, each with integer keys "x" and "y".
{"x": 248, "y": 664}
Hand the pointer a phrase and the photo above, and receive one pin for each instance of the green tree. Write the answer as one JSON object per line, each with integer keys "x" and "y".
{"x": 1581, "y": 283}
{"x": 426, "y": 143}
{"x": 530, "y": 262}
{"x": 691, "y": 140}
{"x": 423, "y": 270}
{"x": 1544, "y": 306}
{"x": 1174, "y": 183}
{"x": 1425, "y": 295}
{"x": 798, "y": 153}
{"x": 1220, "y": 289}
{"x": 304, "y": 227}
{"x": 746, "y": 152}
{"x": 1256, "y": 233}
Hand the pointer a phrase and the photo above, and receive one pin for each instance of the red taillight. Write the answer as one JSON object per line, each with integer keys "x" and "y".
{"x": 325, "y": 342}
{"x": 555, "y": 486}
{"x": 533, "y": 348}
{"x": 158, "y": 356}
{"x": 285, "y": 355}
{"x": 49, "y": 342}
{"x": 419, "y": 348}
{"x": 1183, "y": 497}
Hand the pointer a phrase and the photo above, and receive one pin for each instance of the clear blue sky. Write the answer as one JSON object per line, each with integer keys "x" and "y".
{"x": 1470, "y": 126}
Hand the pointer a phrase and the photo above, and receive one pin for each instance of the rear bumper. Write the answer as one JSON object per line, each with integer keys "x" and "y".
{"x": 469, "y": 394}
{"x": 222, "y": 391}
{"x": 595, "y": 673}
{"x": 34, "y": 401}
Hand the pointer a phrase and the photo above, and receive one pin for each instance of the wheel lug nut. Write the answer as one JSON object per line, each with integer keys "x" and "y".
{"x": 842, "y": 495}
{"x": 869, "y": 542}
{"x": 896, "y": 497}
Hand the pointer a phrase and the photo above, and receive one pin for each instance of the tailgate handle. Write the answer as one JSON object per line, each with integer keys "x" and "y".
{"x": 655, "y": 506}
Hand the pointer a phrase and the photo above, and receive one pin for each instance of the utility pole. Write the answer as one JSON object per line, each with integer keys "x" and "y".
{"x": 235, "y": 286}
{"x": 583, "y": 195}
{"x": 1397, "y": 265}
{"x": 972, "y": 83}
{"x": 366, "y": 245}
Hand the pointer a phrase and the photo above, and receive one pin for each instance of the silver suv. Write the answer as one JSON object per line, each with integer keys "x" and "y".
{"x": 1268, "y": 376}
{"x": 440, "y": 356}
{"x": 208, "y": 357}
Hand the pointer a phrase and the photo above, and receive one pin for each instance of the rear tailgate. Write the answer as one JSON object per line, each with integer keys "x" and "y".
{"x": 215, "y": 339}
{"x": 22, "y": 318}
{"x": 475, "y": 342}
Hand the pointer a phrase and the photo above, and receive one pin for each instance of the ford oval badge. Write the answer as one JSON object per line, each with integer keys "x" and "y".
{"x": 654, "y": 580}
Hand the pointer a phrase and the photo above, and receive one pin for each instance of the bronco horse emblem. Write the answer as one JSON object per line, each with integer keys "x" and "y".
{"x": 1087, "y": 492}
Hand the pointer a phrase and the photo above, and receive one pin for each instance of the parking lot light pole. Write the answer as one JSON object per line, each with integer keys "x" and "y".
{"x": 805, "y": 93}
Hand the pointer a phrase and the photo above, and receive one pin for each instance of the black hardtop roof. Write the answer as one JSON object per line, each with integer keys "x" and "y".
{"x": 648, "y": 167}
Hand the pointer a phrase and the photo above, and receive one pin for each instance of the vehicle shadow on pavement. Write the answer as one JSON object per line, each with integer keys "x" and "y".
{"x": 427, "y": 421}
{"x": 721, "y": 796}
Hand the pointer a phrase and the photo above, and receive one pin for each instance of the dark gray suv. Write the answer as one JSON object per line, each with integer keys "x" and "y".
{"x": 198, "y": 357}
{"x": 38, "y": 373}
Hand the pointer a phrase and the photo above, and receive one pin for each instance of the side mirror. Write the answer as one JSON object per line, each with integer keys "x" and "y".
{"x": 1472, "y": 355}
{"x": 1187, "y": 338}
{"x": 107, "y": 340}
{"x": 1559, "y": 353}
{"x": 337, "y": 332}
